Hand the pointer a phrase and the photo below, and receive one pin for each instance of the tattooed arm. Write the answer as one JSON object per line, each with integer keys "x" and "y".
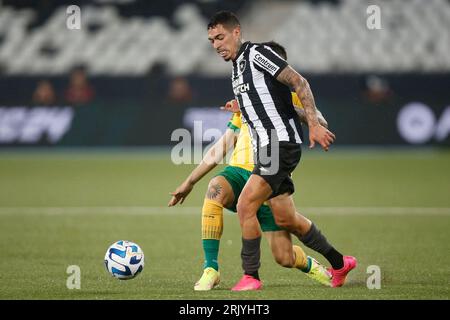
{"x": 302, "y": 115}
{"x": 211, "y": 159}
{"x": 317, "y": 133}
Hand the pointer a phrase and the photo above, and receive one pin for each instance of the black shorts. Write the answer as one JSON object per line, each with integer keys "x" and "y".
{"x": 276, "y": 166}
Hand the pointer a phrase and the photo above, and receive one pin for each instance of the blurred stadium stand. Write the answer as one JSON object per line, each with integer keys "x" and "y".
{"x": 126, "y": 37}
{"x": 133, "y": 50}
{"x": 116, "y": 38}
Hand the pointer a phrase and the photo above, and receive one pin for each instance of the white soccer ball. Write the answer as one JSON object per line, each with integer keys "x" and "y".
{"x": 124, "y": 260}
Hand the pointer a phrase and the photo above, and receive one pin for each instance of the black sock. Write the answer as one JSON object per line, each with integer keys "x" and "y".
{"x": 335, "y": 258}
{"x": 253, "y": 274}
{"x": 317, "y": 242}
{"x": 251, "y": 255}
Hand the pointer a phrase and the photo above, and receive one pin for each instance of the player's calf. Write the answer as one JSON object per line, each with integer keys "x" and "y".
{"x": 212, "y": 228}
{"x": 281, "y": 245}
{"x": 285, "y": 259}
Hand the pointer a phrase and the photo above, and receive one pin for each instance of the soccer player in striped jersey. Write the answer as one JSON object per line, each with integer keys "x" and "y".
{"x": 261, "y": 82}
{"x": 224, "y": 190}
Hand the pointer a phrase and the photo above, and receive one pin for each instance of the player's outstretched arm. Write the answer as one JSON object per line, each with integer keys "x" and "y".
{"x": 317, "y": 132}
{"x": 214, "y": 156}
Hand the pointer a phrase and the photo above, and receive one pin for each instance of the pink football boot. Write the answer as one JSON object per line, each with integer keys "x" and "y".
{"x": 339, "y": 276}
{"x": 247, "y": 283}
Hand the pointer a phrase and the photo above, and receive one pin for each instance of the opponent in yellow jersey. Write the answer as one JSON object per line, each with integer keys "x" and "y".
{"x": 242, "y": 155}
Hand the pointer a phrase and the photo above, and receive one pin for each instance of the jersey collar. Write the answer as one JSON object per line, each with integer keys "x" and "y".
{"x": 242, "y": 49}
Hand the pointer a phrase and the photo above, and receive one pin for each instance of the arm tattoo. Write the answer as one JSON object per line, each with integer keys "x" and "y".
{"x": 213, "y": 191}
{"x": 287, "y": 75}
{"x": 302, "y": 115}
{"x": 291, "y": 78}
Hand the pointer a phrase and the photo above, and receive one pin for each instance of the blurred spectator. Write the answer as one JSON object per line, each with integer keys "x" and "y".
{"x": 79, "y": 91}
{"x": 44, "y": 94}
{"x": 180, "y": 91}
{"x": 377, "y": 90}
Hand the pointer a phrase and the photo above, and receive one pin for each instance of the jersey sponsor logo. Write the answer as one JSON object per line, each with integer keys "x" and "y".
{"x": 241, "y": 88}
{"x": 266, "y": 64}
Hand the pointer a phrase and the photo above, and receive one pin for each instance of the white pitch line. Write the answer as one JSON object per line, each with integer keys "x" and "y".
{"x": 100, "y": 210}
{"x": 377, "y": 210}
{"x": 135, "y": 210}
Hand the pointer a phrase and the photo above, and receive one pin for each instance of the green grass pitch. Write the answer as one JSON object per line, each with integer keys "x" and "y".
{"x": 390, "y": 209}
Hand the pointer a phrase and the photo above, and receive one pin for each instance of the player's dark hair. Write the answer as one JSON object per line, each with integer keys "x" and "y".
{"x": 278, "y": 48}
{"x": 226, "y": 18}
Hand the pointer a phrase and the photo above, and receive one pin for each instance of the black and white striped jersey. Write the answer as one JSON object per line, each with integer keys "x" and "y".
{"x": 265, "y": 103}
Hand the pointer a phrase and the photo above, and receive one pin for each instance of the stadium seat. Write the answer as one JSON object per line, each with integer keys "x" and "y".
{"x": 319, "y": 37}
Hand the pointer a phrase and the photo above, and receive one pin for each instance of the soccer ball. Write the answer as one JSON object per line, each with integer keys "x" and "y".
{"x": 124, "y": 260}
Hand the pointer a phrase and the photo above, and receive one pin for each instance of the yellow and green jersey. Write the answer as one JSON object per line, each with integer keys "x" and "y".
{"x": 296, "y": 101}
{"x": 242, "y": 156}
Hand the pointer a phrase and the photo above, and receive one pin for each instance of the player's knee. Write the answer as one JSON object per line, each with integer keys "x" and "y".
{"x": 216, "y": 191}
{"x": 284, "y": 222}
{"x": 246, "y": 209}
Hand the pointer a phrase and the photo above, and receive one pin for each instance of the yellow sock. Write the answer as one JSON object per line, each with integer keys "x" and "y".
{"x": 212, "y": 219}
{"x": 301, "y": 262}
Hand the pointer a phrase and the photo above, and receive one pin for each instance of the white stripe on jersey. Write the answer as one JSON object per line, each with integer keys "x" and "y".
{"x": 253, "y": 117}
{"x": 266, "y": 99}
{"x": 271, "y": 50}
{"x": 252, "y": 138}
{"x": 297, "y": 136}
